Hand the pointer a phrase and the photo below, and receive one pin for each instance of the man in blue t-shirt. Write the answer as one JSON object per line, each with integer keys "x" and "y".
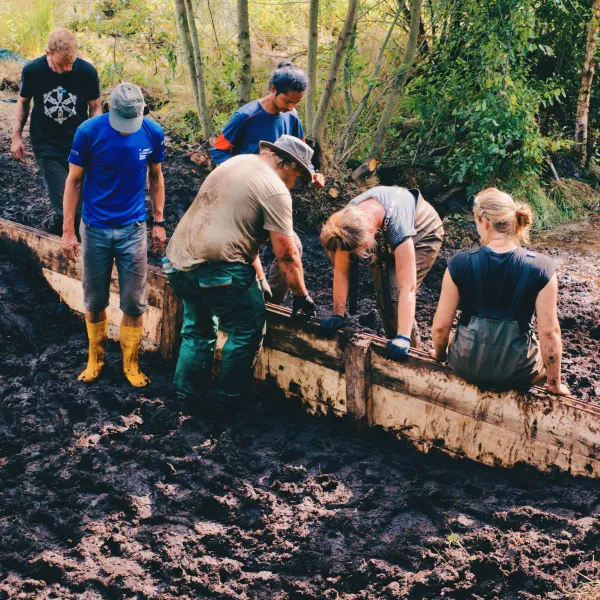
{"x": 110, "y": 158}
{"x": 267, "y": 119}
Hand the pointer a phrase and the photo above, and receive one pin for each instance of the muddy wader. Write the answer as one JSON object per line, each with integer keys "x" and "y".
{"x": 492, "y": 351}
{"x": 427, "y": 242}
{"x": 218, "y": 294}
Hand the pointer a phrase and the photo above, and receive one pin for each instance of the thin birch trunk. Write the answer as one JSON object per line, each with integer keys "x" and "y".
{"x": 313, "y": 44}
{"x": 188, "y": 53}
{"x": 348, "y": 74}
{"x": 587, "y": 77}
{"x": 244, "y": 52}
{"x": 394, "y": 97}
{"x": 336, "y": 63}
{"x": 203, "y": 115}
{"x": 347, "y": 137}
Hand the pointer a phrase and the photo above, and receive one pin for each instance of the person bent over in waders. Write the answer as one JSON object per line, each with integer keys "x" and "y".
{"x": 212, "y": 257}
{"x": 498, "y": 288}
{"x": 110, "y": 158}
{"x": 267, "y": 119}
{"x": 65, "y": 90}
{"x": 404, "y": 234}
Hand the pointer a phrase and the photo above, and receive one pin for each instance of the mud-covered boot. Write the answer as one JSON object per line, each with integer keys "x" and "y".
{"x": 130, "y": 345}
{"x": 97, "y": 333}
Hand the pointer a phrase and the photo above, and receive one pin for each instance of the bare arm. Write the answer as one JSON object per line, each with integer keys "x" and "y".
{"x": 444, "y": 317}
{"x": 70, "y": 245}
{"x": 260, "y": 273}
{"x": 406, "y": 274}
{"x": 289, "y": 262}
{"x": 549, "y": 332}
{"x": 17, "y": 147}
{"x": 341, "y": 269}
{"x": 94, "y": 108}
{"x": 157, "y": 198}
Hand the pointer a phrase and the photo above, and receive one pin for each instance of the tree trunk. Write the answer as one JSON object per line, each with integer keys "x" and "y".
{"x": 188, "y": 53}
{"x": 336, "y": 63}
{"x": 347, "y": 137}
{"x": 348, "y": 74}
{"x": 313, "y": 43}
{"x": 203, "y": 115}
{"x": 585, "y": 90}
{"x": 244, "y": 53}
{"x": 399, "y": 81}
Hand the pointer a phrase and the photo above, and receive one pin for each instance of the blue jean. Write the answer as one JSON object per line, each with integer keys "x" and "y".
{"x": 127, "y": 247}
{"x": 213, "y": 294}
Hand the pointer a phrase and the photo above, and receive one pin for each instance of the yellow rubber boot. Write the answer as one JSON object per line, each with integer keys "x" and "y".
{"x": 97, "y": 333}
{"x": 130, "y": 345}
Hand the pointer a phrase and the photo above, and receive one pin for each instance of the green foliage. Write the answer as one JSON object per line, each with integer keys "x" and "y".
{"x": 26, "y": 29}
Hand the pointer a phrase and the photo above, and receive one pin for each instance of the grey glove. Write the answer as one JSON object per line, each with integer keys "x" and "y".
{"x": 305, "y": 304}
{"x": 265, "y": 288}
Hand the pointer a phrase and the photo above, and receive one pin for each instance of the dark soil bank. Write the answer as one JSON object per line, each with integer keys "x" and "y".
{"x": 109, "y": 493}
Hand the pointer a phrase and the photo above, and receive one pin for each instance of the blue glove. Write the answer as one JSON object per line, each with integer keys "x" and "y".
{"x": 398, "y": 347}
{"x": 330, "y": 325}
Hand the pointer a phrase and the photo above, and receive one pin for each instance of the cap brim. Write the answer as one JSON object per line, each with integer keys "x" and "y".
{"x": 124, "y": 125}
{"x": 304, "y": 170}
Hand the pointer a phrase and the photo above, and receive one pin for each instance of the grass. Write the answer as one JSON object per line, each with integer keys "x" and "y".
{"x": 25, "y": 25}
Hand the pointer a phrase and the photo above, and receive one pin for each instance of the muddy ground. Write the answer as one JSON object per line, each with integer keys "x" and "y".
{"x": 575, "y": 248}
{"x": 109, "y": 493}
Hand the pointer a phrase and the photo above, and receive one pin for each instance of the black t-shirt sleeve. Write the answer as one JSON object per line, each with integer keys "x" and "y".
{"x": 92, "y": 87}
{"x": 544, "y": 269}
{"x": 26, "y": 82}
{"x": 459, "y": 266}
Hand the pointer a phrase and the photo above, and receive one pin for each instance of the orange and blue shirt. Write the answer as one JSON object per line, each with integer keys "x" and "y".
{"x": 250, "y": 125}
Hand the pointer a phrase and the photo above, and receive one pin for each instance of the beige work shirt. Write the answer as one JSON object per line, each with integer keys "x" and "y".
{"x": 239, "y": 203}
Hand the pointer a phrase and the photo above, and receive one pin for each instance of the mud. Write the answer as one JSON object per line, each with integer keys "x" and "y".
{"x": 110, "y": 493}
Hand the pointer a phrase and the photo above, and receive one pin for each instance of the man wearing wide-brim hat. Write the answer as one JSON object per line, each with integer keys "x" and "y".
{"x": 111, "y": 157}
{"x": 240, "y": 206}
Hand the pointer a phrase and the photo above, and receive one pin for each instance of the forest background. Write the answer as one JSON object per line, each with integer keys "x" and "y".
{"x": 472, "y": 93}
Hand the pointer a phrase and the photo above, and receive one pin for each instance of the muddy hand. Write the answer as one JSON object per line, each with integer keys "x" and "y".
{"x": 17, "y": 150}
{"x": 318, "y": 180}
{"x": 305, "y": 304}
{"x": 159, "y": 236}
{"x": 560, "y": 388}
{"x": 70, "y": 246}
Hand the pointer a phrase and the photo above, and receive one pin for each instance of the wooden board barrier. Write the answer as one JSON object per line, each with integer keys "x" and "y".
{"x": 419, "y": 400}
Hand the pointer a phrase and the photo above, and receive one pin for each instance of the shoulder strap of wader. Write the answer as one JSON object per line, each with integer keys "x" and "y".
{"x": 516, "y": 301}
{"x": 478, "y": 280}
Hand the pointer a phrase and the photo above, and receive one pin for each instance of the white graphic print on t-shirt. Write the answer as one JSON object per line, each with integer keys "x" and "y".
{"x": 60, "y": 104}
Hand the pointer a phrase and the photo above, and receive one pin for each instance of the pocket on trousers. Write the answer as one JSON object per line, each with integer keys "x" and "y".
{"x": 214, "y": 280}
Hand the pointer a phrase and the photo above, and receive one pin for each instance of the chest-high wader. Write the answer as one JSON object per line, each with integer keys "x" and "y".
{"x": 491, "y": 350}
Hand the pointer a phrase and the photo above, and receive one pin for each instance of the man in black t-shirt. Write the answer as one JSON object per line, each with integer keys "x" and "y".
{"x": 65, "y": 91}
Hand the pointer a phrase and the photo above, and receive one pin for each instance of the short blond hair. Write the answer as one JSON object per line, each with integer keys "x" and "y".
{"x": 63, "y": 42}
{"x": 349, "y": 229}
{"x": 504, "y": 214}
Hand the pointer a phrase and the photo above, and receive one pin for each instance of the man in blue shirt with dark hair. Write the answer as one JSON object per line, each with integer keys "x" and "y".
{"x": 110, "y": 158}
{"x": 267, "y": 119}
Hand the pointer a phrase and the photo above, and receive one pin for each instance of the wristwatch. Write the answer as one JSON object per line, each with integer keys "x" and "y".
{"x": 158, "y": 223}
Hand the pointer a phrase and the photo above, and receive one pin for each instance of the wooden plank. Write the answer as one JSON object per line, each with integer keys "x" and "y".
{"x": 71, "y": 292}
{"x": 172, "y": 319}
{"x": 542, "y": 417}
{"x": 430, "y": 425}
{"x": 47, "y": 249}
{"x": 321, "y": 387}
{"x": 357, "y": 373}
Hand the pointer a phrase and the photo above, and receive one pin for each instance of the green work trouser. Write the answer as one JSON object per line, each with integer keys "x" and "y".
{"x": 226, "y": 295}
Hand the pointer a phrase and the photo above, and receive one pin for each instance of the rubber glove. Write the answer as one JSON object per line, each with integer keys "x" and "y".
{"x": 398, "y": 347}
{"x": 305, "y": 304}
{"x": 331, "y": 324}
{"x": 265, "y": 289}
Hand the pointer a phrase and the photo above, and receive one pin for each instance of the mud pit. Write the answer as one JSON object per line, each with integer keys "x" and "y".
{"x": 109, "y": 493}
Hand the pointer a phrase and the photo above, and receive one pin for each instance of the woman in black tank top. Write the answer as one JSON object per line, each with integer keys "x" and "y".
{"x": 498, "y": 288}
